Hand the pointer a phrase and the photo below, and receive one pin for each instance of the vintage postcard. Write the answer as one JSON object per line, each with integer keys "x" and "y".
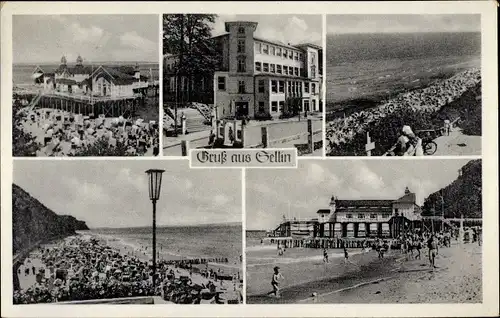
{"x": 249, "y": 159}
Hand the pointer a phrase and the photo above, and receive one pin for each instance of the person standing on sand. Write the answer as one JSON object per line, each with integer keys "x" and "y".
{"x": 275, "y": 282}
{"x": 433, "y": 250}
{"x": 325, "y": 256}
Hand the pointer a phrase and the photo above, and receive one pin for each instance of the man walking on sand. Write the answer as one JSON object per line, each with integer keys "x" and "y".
{"x": 433, "y": 250}
{"x": 325, "y": 256}
{"x": 275, "y": 282}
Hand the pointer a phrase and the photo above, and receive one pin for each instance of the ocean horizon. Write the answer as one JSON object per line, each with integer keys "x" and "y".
{"x": 377, "y": 65}
{"x": 21, "y": 72}
{"x": 182, "y": 242}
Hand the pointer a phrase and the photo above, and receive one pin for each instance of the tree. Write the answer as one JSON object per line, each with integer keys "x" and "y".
{"x": 189, "y": 37}
{"x": 23, "y": 144}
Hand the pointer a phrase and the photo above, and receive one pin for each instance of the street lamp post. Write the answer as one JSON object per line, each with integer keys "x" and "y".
{"x": 154, "y": 179}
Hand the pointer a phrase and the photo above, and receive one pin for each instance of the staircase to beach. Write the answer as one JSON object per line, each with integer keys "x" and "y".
{"x": 204, "y": 109}
{"x": 32, "y": 104}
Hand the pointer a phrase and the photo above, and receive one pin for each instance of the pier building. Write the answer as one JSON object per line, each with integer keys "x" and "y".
{"x": 354, "y": 219}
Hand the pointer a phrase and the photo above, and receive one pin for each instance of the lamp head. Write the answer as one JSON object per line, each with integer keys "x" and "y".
{"x": 154, "y": 179}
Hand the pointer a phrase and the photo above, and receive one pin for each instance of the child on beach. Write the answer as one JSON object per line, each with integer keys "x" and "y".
{"x": 275, "y": 282}
{"x": 433, "y": 250}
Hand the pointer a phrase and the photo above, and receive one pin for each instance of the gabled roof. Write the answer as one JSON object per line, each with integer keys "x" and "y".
{"x": 407, "y": 198}
{"x": 37, "y": 69}
{"x": 115, "y": 76}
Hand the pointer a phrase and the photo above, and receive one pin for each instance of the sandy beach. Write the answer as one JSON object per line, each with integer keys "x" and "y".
{"x": 305, "y": 273}
{"x": 230, "y": 290}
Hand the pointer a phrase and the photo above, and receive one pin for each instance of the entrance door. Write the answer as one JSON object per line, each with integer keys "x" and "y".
{"x": 241, "y": 109}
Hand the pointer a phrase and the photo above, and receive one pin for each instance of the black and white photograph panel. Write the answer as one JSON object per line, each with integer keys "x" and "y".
{"x": 365, "y": 231}
{"x": 85, "y": 85}
{"x": 116, "y": 232}
{"x": 403, "y": 85}
{"x": 242, "y": 81}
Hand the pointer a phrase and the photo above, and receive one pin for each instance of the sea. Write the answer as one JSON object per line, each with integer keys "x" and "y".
{"x": 183, "y": 242}
{"x": 376, "y": 66}
{"x": 21, "y": 73}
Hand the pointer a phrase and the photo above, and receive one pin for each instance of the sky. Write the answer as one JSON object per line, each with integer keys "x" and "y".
{"x": 103, "y": 38}
{"x": 286, "y": 28}
{"x": 115, "y": 193}
{"x": 383, "y": 23}
{"x": 299, "y": 193}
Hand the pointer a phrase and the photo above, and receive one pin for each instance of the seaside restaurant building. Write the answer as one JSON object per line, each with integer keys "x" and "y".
{"x": 357, "y": 219}
{"x": 101, "y": 81}
{"x": 257, "y": 77}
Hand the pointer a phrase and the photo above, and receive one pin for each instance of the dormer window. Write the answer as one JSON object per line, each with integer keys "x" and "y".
{"x": 241, "y": 30}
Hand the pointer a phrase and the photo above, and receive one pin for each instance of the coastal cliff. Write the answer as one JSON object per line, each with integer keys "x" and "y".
{"x": 33, "y": 222}
{"x": 461, "y": 197}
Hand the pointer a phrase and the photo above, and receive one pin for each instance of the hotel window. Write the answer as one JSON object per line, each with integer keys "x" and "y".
{"x": 221, "y": 83}
{"x": 266, "y": 67}
{"x": 302, "y": 72}
{"x": 296, "y": 71}
{"x": 282, "y": 104}
{"x": 241, "y": 46}
{"x": 274, "y": 87}
{"x": 313, "y": 88}
{"x": 241, "y": 30}
{"x": 261, "y": 107}
{"x": 296, "y": 56}
{"x": 290, "y": 70}
{"x": 313, "y": 71}
{"x": 241, "y": 64}
{"x": 361, "y": 216}
{"x": 272, "y": 68}
{"x": 274, "y": 106}
{"x": 385, "y": 215}
{"x": 300, "y": 56}
{"x": 300, "y": 87}
{"x": 281, "y": 86}
{"x": 273, "y": 50}
{"x": 278, "y": 51}
{"x": 261, "y": 86}
{"x": 289, "y": 87}
{"x": 278, "y": 68}
{"x": 285, "y": 53}
{"x": 349, "y": 216}
{"x": 258, "y": 66}
{"x": 241, "y": 87}
{"x": 306, "y": 87}
{"x": 257, "y": 47}
{"x": 306, "y": 105}
{"x": 285, "y": 70}
{"x": 265, "y": 49}
{"x": 290, "y": 55}
{"x": 373, "y": 216}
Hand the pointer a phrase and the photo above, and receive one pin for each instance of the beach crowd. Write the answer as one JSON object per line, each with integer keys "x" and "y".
{"x": 61, "y": 133}
{"x": 426, "y": 100}
{"x": 80, "y": 268}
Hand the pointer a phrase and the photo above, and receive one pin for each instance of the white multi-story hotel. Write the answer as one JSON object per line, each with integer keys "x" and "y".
{"x": 259, "y": 78}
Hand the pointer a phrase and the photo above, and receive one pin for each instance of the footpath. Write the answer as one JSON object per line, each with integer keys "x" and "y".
{"x": 458, "y": 144}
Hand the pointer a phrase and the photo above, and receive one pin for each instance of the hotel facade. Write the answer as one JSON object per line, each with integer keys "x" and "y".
{"x": 357, "y": 219}
{"x": 258, "y": 78}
